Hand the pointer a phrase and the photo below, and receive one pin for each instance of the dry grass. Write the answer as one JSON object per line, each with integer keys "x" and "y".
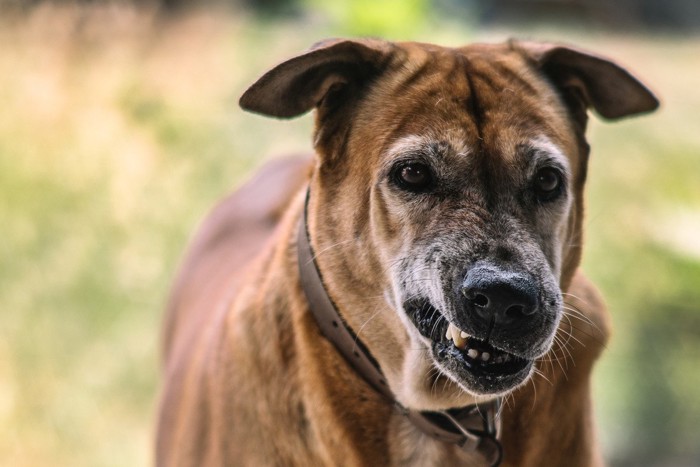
{"x": 117, "y": 133}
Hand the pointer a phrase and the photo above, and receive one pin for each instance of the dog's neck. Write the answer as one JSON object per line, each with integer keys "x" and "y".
{"x": 473, "y": 428}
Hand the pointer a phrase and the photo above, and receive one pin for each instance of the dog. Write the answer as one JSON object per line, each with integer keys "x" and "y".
{"x": 411, "y": 294}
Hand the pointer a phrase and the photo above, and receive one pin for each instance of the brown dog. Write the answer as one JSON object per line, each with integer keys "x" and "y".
{"x": 444, "y": 214}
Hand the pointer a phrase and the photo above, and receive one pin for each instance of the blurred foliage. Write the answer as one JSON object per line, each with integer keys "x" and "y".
{"x": 644, "y": 252}
{"x": 120, "y": 129}
{"x": 388, "y": 19}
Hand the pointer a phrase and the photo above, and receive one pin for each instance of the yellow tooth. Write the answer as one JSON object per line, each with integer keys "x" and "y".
{"x": 452, "y": 331}
{"x": 460, "y": 342}
{"x": 458, "y": 336}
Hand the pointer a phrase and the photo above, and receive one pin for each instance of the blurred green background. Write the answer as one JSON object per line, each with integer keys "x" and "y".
{"x": 119, "y": 128}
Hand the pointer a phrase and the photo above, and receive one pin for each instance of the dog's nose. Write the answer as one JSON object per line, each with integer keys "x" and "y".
{"x": 499, "y": 297}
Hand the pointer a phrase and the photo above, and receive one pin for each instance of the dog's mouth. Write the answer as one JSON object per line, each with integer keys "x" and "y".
{"x": 482, "y": 367}
{"x": 481, "y": 357}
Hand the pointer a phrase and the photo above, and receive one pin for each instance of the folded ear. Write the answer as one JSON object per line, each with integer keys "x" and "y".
{"x": 303, "y": 82}
{"x": 592, "y": 80}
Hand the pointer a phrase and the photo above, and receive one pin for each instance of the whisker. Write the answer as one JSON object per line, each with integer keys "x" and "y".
{"x": 359, "y": 331}
{"x": 331, "y": 247}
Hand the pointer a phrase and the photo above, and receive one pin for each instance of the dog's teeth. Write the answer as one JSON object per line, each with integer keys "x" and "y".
{"x": 457, "y": 336}
{"x": 472, "y": 353}
{"x": 464, "y": 334}
{"x": 452, "y": 331}
{"x": 485, "y": 356}
{"x": 460, "y": 342}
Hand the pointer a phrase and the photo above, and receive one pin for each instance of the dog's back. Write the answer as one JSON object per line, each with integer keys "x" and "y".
{"x": 236, "y": 229}
{"x": 229, "y": 239}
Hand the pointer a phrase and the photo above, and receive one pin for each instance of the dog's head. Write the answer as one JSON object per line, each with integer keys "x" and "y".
{"x": 446, "y": 206}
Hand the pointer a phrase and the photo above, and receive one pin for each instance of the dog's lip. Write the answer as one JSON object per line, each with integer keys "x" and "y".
{"x": 479, "y": 357}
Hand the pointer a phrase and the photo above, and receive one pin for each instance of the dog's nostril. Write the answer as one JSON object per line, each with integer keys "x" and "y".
{"x": 480, "y": 300}
{"x": 515, "y": 311}
{"x": 518, "y": 311}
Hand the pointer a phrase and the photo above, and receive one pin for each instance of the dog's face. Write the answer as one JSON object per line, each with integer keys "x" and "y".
{"x": 446, "y": 206}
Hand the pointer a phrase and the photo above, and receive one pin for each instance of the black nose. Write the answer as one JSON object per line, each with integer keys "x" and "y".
{"x": 499, "y": 297}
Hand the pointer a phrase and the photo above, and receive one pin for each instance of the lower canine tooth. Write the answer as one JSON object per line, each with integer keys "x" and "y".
{"x": 472, "y": 353}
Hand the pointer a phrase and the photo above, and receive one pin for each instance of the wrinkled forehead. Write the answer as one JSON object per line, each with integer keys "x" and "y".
{"x": 484, "y": 99}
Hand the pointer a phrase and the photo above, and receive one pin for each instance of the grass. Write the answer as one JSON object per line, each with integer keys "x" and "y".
{"x": 119, "y": 130}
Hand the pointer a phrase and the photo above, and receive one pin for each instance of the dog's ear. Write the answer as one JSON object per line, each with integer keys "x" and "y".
{"x": 298, "y": 85}
{"x": 587, "y": 80}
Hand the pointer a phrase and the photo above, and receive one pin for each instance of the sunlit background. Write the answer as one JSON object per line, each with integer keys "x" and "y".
{"x": 119, "y": 128}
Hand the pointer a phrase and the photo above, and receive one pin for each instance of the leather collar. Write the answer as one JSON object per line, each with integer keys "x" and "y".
{"x": 473, "y": 428}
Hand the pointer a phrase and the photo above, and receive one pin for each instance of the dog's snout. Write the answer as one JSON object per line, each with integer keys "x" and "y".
{"x": 500, "y": 297}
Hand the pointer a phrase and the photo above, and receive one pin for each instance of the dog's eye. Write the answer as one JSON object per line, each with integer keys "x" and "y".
{"x": 548, "y": 184}
{"x": 414, "y": 176}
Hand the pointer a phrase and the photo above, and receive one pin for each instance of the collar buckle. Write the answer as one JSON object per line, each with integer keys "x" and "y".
{"x": 479, "y": 424}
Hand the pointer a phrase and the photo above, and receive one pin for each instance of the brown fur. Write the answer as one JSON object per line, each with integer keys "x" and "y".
{"x": 249, "y": 380}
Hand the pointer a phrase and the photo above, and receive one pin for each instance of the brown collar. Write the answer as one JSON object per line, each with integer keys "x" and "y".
{"x": 473, "y": 428}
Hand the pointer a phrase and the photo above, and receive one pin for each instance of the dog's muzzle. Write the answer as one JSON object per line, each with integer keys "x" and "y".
{"x": 499, "y": 322}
